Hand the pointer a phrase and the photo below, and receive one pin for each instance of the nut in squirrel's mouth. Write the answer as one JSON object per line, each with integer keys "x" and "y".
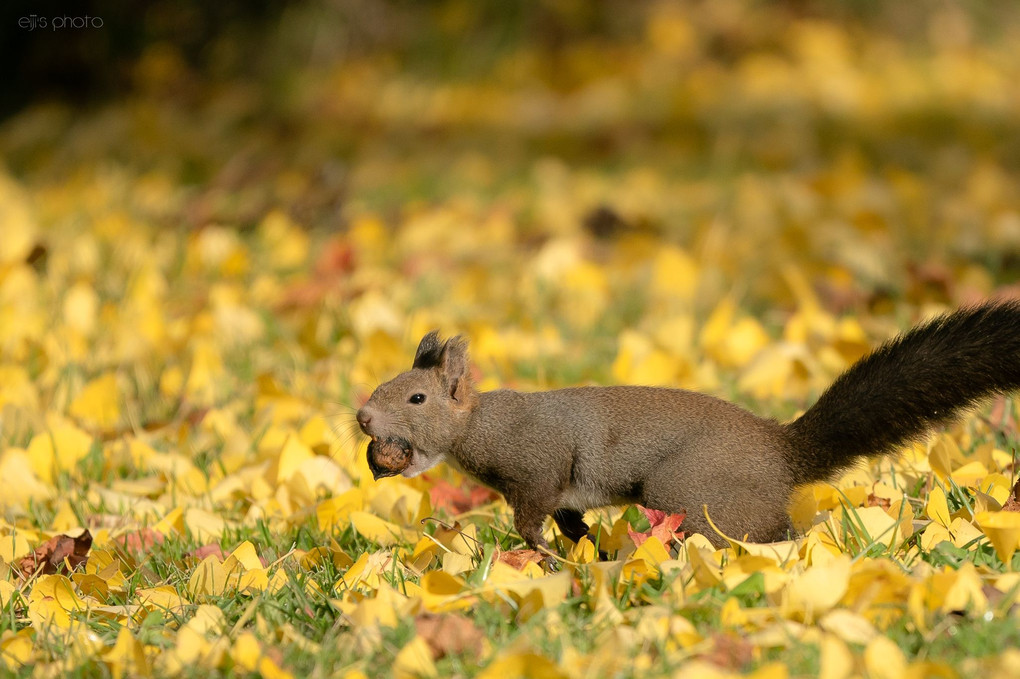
{"x": 389, "y": 457}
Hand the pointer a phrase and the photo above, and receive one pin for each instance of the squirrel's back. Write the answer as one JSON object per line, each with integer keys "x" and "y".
{"x": 668, "y": 449}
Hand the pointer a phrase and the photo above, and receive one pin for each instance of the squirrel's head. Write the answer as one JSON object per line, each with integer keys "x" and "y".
{"x": 423, "y": 411}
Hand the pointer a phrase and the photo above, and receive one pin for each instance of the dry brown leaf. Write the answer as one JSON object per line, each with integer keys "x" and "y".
{"x": 730, "y": 652}
{"x": 49, "y": 557}
{"x": 875, "y": 501}
{"x": 1012, "y": 503}
{"x": 519, "y": 558}
{"x": 449, "y": 634}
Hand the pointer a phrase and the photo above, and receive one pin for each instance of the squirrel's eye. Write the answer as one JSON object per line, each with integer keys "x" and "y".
{"x": 417, "y": 398}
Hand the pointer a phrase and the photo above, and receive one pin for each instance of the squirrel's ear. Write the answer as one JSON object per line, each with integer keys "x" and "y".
{"x": 429, "y": 352}
{"x": 455, "y": 367}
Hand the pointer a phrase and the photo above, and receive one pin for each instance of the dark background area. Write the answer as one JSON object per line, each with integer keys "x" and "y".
{"x": 95, "y": 62}
{"x": 257, "y": 38}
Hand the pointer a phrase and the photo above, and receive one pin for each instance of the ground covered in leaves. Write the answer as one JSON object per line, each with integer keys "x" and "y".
{"x": 200, "y": 281}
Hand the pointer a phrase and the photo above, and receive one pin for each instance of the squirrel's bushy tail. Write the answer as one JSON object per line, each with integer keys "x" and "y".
{"x": 908, "y": 385}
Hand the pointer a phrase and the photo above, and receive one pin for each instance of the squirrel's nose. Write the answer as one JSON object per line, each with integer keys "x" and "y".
{"x": 363, "y": 417}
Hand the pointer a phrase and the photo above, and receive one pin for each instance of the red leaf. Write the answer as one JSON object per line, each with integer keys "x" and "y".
{"x": 333, "y": 265}
{"x": 139, "y": 542}
{"x": 1001, "y": 417}
{"x": 445, "y": 495}
{"x": 663, "y": 526}
{"x": 202, "y": 552}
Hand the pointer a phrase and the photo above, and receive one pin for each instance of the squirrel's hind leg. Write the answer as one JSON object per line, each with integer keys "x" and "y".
{"x": 572, "y": 524}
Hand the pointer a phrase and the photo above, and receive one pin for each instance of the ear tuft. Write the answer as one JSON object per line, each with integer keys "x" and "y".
{"x": 455, "y": 367}
{"x": 430, "y": 352}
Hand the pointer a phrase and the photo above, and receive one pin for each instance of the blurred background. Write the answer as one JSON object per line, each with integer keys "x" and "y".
{"x": 623, "y": 177}
{"x": 223, "y": 223}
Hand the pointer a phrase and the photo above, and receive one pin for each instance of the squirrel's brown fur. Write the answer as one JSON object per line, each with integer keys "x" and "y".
{"x": 564, "y": 451}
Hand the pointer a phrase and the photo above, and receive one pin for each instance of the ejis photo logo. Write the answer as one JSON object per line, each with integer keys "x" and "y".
{"x": 57, "y": 23}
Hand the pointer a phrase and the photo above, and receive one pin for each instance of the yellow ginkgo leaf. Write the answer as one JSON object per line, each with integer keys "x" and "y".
{"x": 380, "y": 531}
{"x": 246, "y": 651}
{"x": 851, "y": 627}
{"x": 52, "y": 601}
{"x": 16, "y": 648}
{"x": 58, "y": 449}
{"x": 208, "y": 579}
{"x": 81, "y": 306}
{"x": 127, "y": 656}
{"x": 884, "y": 659}
{"x": 674, "y": 274}
{"x": 7, "y": 591}
{"x": 583, "y": 551}
{"x": 204, "y": 526}
{"x": 651, "y": 551}
{"x": 162, "y": 598}
{"x": 549, "y": 590}
{"x": 443, "y": 592}
{"x": 97, "y": 405}
{"x": 386, "y": 609}
{"x": 414, "y": 661}
{"x": 818, "y": 588}
{"x": 21, "y": 481}
{"x": 516, "y": 665}
{"x": 836, "y": 661}
{"x": 937, "y": 508}
{"x": 1003, "y": 531}
{"x": 243, "y": 555}
{"x": 944, "y": 456}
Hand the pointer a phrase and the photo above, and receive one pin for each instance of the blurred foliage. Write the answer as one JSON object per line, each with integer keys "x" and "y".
{"x": 222, "y": 224}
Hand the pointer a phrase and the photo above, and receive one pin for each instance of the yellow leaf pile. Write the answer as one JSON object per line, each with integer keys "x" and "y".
{"x": 197, "y": 291}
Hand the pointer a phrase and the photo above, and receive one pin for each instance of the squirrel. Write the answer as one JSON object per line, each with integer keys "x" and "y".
{"x": 564, "y": 451}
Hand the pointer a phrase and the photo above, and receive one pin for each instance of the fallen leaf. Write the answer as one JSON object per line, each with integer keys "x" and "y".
{"x": 663, "y": 526}
{"x": 1003, "y": 531}
{"x": 1012, "y": 503}
{"x": 449, "y": 634}
{"x": 98, "y": 403}
{"x": 519, "y": 558}
{"x": 459, "y": 499}
{"x": 52, "y": 556}
{"x": 884, "y": 659}
{"x": 212, "y": 549}
{"x": 515, "y": 665}
{"x": 414, "y": 661}
{"x": 138, "y": 542}
{"x": 730, "y": 652}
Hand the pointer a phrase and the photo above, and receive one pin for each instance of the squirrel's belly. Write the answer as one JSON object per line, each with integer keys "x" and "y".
{"x": 581, "y": 498}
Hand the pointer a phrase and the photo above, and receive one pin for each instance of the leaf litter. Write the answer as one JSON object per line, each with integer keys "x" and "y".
{"x": 184, "y": 488}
